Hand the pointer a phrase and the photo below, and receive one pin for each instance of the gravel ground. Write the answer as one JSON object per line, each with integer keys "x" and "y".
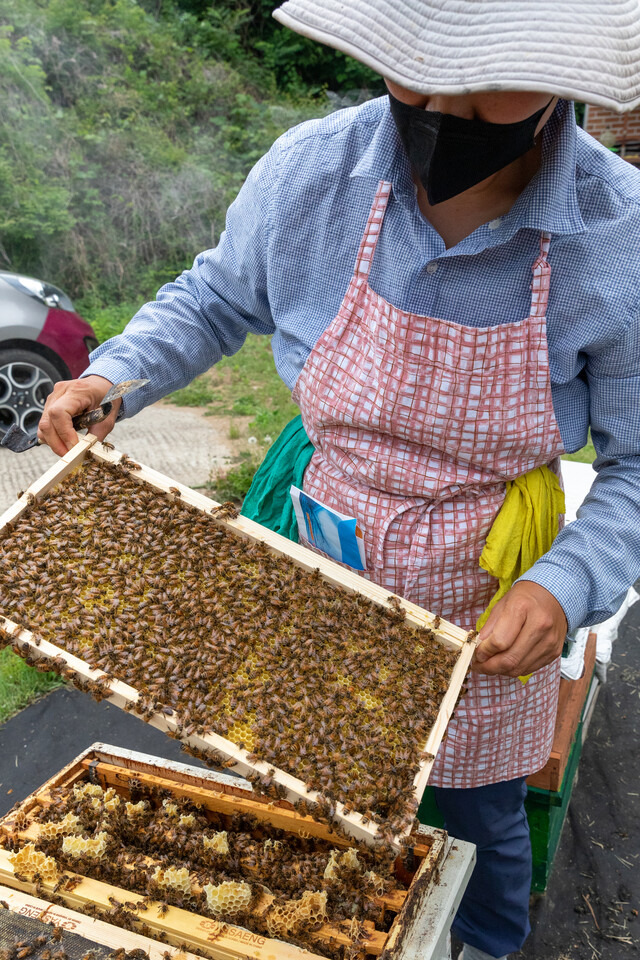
{"x": 177, "y": 441}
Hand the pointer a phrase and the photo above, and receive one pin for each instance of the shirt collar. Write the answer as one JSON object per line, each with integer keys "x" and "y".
{"x": 549, "y": 202}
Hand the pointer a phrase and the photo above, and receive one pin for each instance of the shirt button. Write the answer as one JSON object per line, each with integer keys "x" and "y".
{"x": 432, "y": 267}
{"x": 494, "y": 224}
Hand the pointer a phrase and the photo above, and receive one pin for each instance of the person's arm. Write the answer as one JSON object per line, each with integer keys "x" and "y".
{"x": 595, "y": 559}
{"x": 204, "y": 314}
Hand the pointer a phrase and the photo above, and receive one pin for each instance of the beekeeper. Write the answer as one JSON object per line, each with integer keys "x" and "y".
{"x": 450, "y": 274}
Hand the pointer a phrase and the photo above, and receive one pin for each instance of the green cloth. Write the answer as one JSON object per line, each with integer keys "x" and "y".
{"x": 524, "y": 529}
{"x": 268, "y": 500}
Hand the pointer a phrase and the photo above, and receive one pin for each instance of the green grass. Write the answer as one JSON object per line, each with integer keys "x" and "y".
{"x": 21, "y": 684}
{"x": 586, "y": 455}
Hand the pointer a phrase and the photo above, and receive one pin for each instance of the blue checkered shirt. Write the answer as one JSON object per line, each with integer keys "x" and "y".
{"x": 284, "y": 262}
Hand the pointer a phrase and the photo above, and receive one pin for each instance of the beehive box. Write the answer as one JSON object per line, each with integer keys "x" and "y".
{"x": 409, "y": 919}
{"x": 400, "y": 704}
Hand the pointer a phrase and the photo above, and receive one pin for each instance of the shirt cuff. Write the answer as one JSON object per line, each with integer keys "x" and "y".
{"x": 568, "y": 591}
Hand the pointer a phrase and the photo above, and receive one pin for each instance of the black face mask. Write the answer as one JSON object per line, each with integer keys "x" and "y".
{"x": 450, "y": 154}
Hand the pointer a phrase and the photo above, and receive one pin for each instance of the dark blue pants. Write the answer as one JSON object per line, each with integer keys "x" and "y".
{"x": 494, "y": 912}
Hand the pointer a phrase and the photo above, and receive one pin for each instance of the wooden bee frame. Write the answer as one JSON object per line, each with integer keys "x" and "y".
{"x": 423, "y": 913}
{"x": 126, "y": 697}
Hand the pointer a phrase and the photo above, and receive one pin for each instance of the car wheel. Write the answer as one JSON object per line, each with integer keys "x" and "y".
{"x": 26, "y": 380}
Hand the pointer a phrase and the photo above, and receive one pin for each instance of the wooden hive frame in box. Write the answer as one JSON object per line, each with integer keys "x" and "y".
{"x": 126, "y": 697}
{"x": 440, "y": 870}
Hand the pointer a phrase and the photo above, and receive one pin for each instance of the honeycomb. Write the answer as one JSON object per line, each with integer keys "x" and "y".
{"x": 176, "y": 877}
{"x": 70, "y": 824}
{"x": 81, "y": 790}
{"x": 337, "y": 859}
{"x": 374, "y": 880}
{"x": 349, "y": 859}
{"x": 307, "y": 882}
{"x": 218, "y": 843}
{"x": 94, "y": 847}
{"x": 332, "y": 688}
{"x": 111, "y": 801}
{"x": 170, "y": 808}
{"x": 28, "y": 862}
{"x": 228, "y": 898}
{"x": 289, "y": 918}
{"x": 133, "y": 810}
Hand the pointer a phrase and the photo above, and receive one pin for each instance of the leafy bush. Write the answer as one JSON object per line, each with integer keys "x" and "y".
{"x": 123, "y": 138}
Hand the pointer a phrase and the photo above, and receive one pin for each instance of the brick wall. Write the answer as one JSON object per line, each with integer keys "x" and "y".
{"x": 613, "y": 129}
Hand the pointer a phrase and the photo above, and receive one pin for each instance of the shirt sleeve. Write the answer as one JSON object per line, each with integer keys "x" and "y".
{"x": 207, "y": 311}
{"x": 596, "y": 558}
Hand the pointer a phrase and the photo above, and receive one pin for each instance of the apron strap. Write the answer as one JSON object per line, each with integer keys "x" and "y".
{"x": 372, "y": 230}
{"x": 541, "y": 279}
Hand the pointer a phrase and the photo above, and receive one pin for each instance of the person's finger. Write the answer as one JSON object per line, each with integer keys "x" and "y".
{"x": 501, "y": 629}
{"x": 514, "y": 661}
{"x": 53, "y": 429}
{"x": 529, "y": 653}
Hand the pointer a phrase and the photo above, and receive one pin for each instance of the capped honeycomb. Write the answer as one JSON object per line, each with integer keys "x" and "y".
{"x": 218, "y": 843}
{"x": 288, "y": 919}
{"x": 228, "y": 898}
{"x": 320, "y": 683}
{"x": 186, "y": 820}
{"x": 93, "y": 847}
{"x": 30, "y": 862}
{"x": 134, "y": 810}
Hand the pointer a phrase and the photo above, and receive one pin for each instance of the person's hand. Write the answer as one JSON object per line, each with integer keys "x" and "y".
{"x": 525, "y": 631}
{"x": 69, "y": 398}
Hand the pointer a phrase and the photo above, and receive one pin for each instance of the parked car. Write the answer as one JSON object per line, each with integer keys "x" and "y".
{"x": 42, "y": 340}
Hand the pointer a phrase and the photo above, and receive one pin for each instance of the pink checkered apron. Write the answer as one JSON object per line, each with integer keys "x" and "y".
{"x": 417, "y": 423}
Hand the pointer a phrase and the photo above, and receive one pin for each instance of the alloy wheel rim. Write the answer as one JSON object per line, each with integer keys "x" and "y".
{"x": 24, "y": 387}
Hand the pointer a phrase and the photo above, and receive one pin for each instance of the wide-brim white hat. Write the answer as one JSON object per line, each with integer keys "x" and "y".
{"x": 578, "y": 49}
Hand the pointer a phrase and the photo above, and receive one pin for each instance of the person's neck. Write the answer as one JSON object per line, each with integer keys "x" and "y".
{"x": 458, "y": 217}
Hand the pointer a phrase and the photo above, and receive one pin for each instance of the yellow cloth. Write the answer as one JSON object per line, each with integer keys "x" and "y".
{"x": 523, "y": 530}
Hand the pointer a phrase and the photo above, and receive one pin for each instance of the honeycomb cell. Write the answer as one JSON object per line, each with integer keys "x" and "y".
{"x": 28, "y": 862}
{"x": 292, "y": 916}
{"x": 82, "y": 790}
{"x": 347, "y": 859}
{"x": 95, "y": 848}
{"x": 177, "y": 878}
{"x": 228, "y": 898}
{"x": 218, "y": 843}
{"x": 69, "y": 825}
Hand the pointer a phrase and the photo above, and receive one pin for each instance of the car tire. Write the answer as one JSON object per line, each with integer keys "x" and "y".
{"x": 26, "y": 380}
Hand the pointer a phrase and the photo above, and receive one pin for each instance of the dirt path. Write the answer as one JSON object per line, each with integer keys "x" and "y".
{"x": 179, "y": 441}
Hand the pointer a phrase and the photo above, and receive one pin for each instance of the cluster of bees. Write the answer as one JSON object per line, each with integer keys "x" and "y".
{"x": 172, "y": 852}
{"x": 51, "y": 946}
{"x": 228, "y": 638}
